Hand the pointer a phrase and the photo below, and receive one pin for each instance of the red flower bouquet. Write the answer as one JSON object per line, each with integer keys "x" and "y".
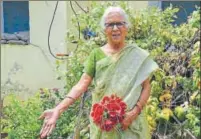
{"x": 109, "y": 112}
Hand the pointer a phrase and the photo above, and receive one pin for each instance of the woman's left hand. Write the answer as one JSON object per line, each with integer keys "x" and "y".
{"x": 129, "y": 117}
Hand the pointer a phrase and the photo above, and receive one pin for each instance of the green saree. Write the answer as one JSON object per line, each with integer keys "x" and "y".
{"x": 122, "y": 74}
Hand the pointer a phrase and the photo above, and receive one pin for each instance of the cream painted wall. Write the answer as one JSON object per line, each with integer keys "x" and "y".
{"x": 36, "y": 63}
{"x": 138, "y": 5}
{"x": 35, "y": 71}
{"x": 41, "y": 13}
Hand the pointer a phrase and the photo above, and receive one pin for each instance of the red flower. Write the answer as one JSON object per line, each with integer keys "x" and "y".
{"x": 109, "y": 112}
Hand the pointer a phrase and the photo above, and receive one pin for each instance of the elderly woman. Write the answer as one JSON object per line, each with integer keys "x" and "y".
{"x": 116, "y": 68}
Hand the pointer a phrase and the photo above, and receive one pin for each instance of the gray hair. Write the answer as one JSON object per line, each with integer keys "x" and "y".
{"x": 114, "y": 9}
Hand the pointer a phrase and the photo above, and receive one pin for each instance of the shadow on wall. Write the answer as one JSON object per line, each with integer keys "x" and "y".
{"x": 11, "y": 86}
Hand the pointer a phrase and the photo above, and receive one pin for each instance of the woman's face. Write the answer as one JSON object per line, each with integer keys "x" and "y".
{"x": 115, "y": 28}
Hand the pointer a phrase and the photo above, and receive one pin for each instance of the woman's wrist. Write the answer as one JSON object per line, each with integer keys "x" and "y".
{"x": 73, "y": 99}
{"x": 61, "y": 110}
{"x": 142, "y": 102}
{"x": 135, "y": 112}
{"x": 139, "y": 105}
{"x": 137, "y": 109}
{"x": 65, "y": 104}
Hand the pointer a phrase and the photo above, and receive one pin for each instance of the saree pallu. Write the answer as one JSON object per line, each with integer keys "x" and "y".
{"x": 122, "y": 74}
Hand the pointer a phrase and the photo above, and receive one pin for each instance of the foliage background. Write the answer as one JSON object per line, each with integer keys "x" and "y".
{"x": 173, "y": 110}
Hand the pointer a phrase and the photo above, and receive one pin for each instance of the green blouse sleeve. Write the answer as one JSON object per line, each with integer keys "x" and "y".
{"x": 89, "y": 64}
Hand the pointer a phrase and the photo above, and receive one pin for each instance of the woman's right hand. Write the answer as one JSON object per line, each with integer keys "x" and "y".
{"x": 50, "y": 117}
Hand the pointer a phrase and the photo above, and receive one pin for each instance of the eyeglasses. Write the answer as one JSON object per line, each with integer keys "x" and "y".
{"x": 118, "y": 24}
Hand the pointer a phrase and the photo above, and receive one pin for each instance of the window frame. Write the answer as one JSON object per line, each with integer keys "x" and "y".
{"x": 18, "y": 37}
